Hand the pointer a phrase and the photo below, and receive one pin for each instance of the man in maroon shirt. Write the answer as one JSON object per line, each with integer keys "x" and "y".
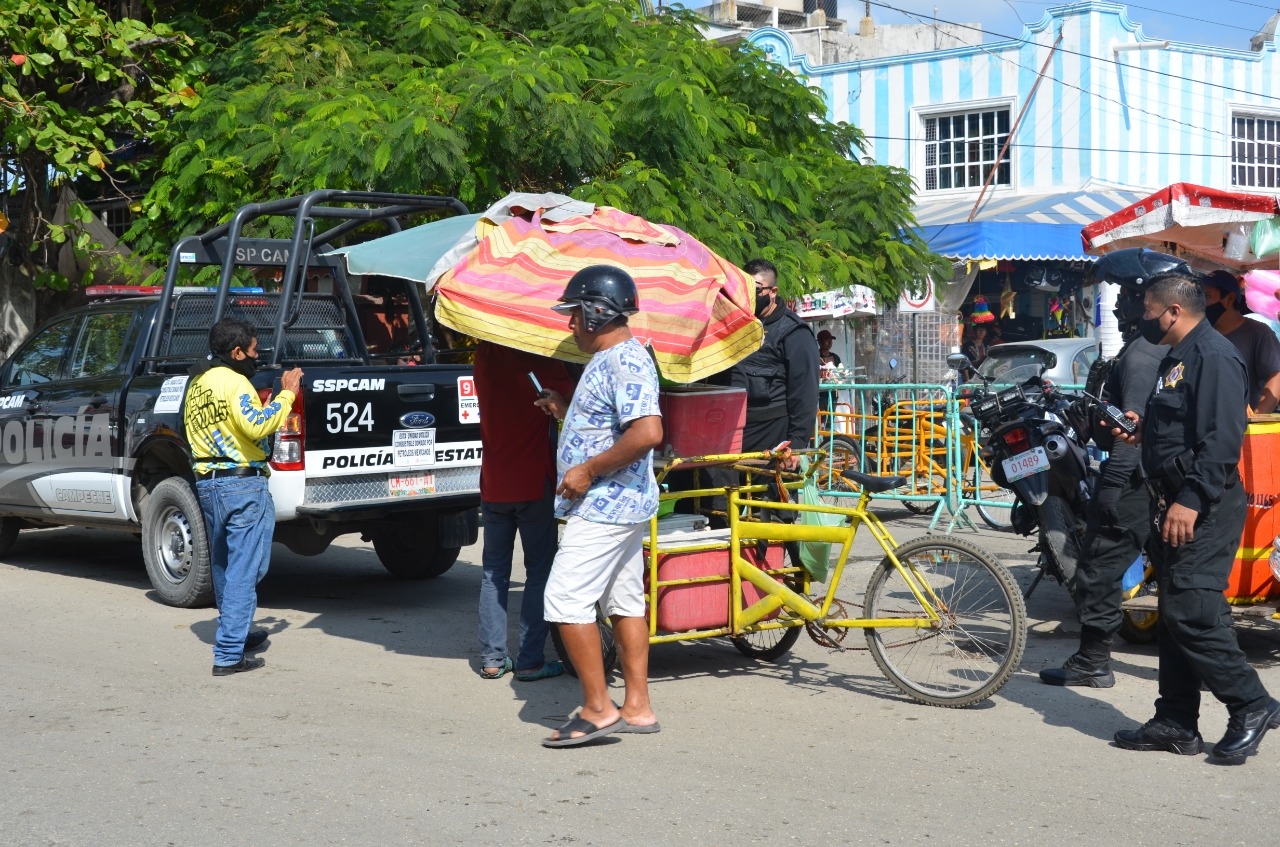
{"x": 517, "y": 493}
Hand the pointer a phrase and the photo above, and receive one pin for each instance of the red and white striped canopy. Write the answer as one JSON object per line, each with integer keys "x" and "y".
{"x": 1187, "y": 220}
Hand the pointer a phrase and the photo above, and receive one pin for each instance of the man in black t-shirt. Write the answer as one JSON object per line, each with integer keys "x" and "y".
{"x": 1257, "y": 344}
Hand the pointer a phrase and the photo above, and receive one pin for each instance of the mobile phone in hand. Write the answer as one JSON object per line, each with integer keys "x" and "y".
{"x": 1113, "y": 416}
{"x": 537, "y": 386}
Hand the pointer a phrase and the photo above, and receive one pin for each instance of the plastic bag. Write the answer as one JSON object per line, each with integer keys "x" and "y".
{"x": 1266, "y": 237}
{"x": 815, "y": 556}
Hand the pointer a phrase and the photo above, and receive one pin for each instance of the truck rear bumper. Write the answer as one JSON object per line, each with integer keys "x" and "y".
{"x": 372, "y": 494}
{"x": 379, "y": 508}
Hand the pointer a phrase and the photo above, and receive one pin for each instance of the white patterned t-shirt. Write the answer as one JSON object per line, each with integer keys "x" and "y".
{"x": 618, "y": 386}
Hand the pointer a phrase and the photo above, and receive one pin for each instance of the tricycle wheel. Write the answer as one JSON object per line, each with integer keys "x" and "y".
{"x": 608, "y": 647}
{"x": 971, "y": 652}
{"x": 1140, "y": 627}
{"x": 767, "y": 645}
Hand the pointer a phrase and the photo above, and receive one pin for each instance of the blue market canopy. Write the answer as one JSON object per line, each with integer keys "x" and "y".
{"x": 1029, "y": 227}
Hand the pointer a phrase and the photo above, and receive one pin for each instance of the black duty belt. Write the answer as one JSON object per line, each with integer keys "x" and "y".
{"x": 223, "y": 473}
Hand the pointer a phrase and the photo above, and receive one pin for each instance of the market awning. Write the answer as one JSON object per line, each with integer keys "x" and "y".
{"x": 1191, "y": 220}
{"x": 1028, "y": 227}
{"x": 409, "y": 254}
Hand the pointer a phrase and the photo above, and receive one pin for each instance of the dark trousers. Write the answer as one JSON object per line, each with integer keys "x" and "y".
{"x": 1197, "y": 643}
{"x": 1110, "y": 547}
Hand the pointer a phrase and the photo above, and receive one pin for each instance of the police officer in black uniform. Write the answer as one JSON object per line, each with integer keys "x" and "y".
{"x": 1191, "y": 436}
{"x": 1119, "y": 514}
{"x": 781, "y": 378}
{"x": 781, "y": 381}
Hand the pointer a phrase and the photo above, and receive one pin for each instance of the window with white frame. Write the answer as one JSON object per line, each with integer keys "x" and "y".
{"x": 960, "y": 150}
{"x": 1255, "y": 151}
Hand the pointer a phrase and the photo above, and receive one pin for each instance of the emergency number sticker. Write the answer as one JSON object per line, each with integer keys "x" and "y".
{"x": 468, "y": 402}
{"x": 414, "y": 448}
{"x": 170, "y": 399}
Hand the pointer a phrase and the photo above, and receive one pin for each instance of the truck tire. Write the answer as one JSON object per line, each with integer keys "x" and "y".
{"x": 9, "y": 528}
{"x": 175, "y": 545}
{"x": 412, "y": 551}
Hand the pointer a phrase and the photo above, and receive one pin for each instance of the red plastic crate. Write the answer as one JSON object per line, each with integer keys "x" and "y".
{"x": 703, "y": 605}
{"x": 703, "y": 421}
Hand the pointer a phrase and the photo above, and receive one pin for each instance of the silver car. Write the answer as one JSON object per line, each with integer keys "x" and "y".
{"x": 1066, "y": 361}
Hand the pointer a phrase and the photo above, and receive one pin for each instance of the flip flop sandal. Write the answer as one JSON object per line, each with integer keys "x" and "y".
{"x": 642, "y": 728}
{"x": 590, "y": 732}
{"x": 505, "y": 668}
{"x": 546, "y": 670}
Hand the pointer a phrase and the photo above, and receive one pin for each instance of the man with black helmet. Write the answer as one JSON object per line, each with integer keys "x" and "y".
{"x": 1191, "y": 435}
{"x": 1119, "y": 514}
{"x": 607, "y": 492}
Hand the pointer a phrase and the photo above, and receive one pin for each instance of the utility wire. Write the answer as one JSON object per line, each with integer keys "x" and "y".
{"x": 925, "y": 19}
{"x": 1063, "y": 83}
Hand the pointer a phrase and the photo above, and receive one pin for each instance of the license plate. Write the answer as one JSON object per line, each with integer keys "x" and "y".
{"x": 1026, "y": 464}
{"x": 411, "y": 485}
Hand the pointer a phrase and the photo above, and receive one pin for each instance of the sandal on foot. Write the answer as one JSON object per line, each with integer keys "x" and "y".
{"x": 642, "y": 728}
{"x": 505, "y": 668}
{"x": 590, "y": 732}
{"x": 546, "y": 670}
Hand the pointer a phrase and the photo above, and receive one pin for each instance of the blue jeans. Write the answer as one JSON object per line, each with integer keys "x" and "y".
{"x": 240, "y": 517}
{"x": 537, "y": 526}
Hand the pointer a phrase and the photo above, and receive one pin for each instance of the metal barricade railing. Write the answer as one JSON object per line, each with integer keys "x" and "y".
{"x": 915, "y": 430}
{"x": 890, "y": 429}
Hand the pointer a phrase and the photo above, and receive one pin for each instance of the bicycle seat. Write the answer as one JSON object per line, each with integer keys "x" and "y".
{"x": 874, "y": 484}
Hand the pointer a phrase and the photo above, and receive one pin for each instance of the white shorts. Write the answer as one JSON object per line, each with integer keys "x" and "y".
{"x": 597, "y": 563}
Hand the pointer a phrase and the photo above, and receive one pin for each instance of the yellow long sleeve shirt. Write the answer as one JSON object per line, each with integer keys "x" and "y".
{"x": 227, "y": 425}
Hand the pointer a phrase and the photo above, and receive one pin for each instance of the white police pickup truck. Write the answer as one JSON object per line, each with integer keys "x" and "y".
{"x": 384, "y": 442}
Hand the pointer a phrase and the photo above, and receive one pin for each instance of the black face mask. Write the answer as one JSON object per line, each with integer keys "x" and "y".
{"x": 246, "y": 367}
{"x": 1214, "y": 311}
{"x": 1149, "y": 328}
{"x": 762, "y": 303}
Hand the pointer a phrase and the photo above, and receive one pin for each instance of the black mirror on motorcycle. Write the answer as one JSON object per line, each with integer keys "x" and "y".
{"x": 959, "y": 362}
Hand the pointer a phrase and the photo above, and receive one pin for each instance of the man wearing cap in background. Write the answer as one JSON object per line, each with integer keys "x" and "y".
{"x": 1256, "y": 342}
{"x": 827, "y": 362}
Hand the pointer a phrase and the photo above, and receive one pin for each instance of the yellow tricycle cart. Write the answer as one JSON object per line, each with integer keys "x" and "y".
{"x": 944, "y": 620}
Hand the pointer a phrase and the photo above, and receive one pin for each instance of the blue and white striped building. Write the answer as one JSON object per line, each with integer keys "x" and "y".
{"x": 1114, "y": 109}
{"x": 1115, "y": 117}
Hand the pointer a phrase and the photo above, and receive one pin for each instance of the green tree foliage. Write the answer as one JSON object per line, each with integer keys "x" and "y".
{"x": 77, "y": 79}
{"x": 476, "y": 98}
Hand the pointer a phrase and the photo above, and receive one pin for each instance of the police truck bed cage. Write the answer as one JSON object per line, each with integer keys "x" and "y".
{"x": 227, "y": 247}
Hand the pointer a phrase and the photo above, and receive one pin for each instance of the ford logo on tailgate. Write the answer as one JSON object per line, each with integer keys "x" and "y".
{"x": 417, "y": 420}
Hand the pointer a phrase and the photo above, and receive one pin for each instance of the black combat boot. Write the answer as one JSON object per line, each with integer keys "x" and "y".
{"x": 1088, "y": 667}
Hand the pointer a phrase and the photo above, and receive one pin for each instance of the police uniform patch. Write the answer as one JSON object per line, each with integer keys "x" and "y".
{"x": 1174, "y": 376}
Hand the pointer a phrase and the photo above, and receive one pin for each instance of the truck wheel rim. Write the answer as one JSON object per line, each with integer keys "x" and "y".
{"x": 173, "y": 545}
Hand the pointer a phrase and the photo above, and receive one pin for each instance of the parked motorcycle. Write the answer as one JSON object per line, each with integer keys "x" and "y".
{"x": 1034, "y": 437}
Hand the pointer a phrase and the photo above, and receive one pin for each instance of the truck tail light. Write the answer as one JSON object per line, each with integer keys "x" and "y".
{"x": 288, "y": 452}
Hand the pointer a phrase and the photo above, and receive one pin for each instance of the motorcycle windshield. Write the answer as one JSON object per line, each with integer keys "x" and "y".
{"x": 1010, "y": 371}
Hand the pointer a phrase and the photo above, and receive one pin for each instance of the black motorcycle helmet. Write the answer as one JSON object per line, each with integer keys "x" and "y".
{"x": 603, "y": 292}
{"x": 1133, "y": 269}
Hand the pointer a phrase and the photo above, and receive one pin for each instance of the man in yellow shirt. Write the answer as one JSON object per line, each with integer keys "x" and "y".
{"x": 229, "y": 430}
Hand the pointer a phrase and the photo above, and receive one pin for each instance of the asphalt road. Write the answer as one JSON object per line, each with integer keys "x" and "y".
{"x": 369, "y": 726}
